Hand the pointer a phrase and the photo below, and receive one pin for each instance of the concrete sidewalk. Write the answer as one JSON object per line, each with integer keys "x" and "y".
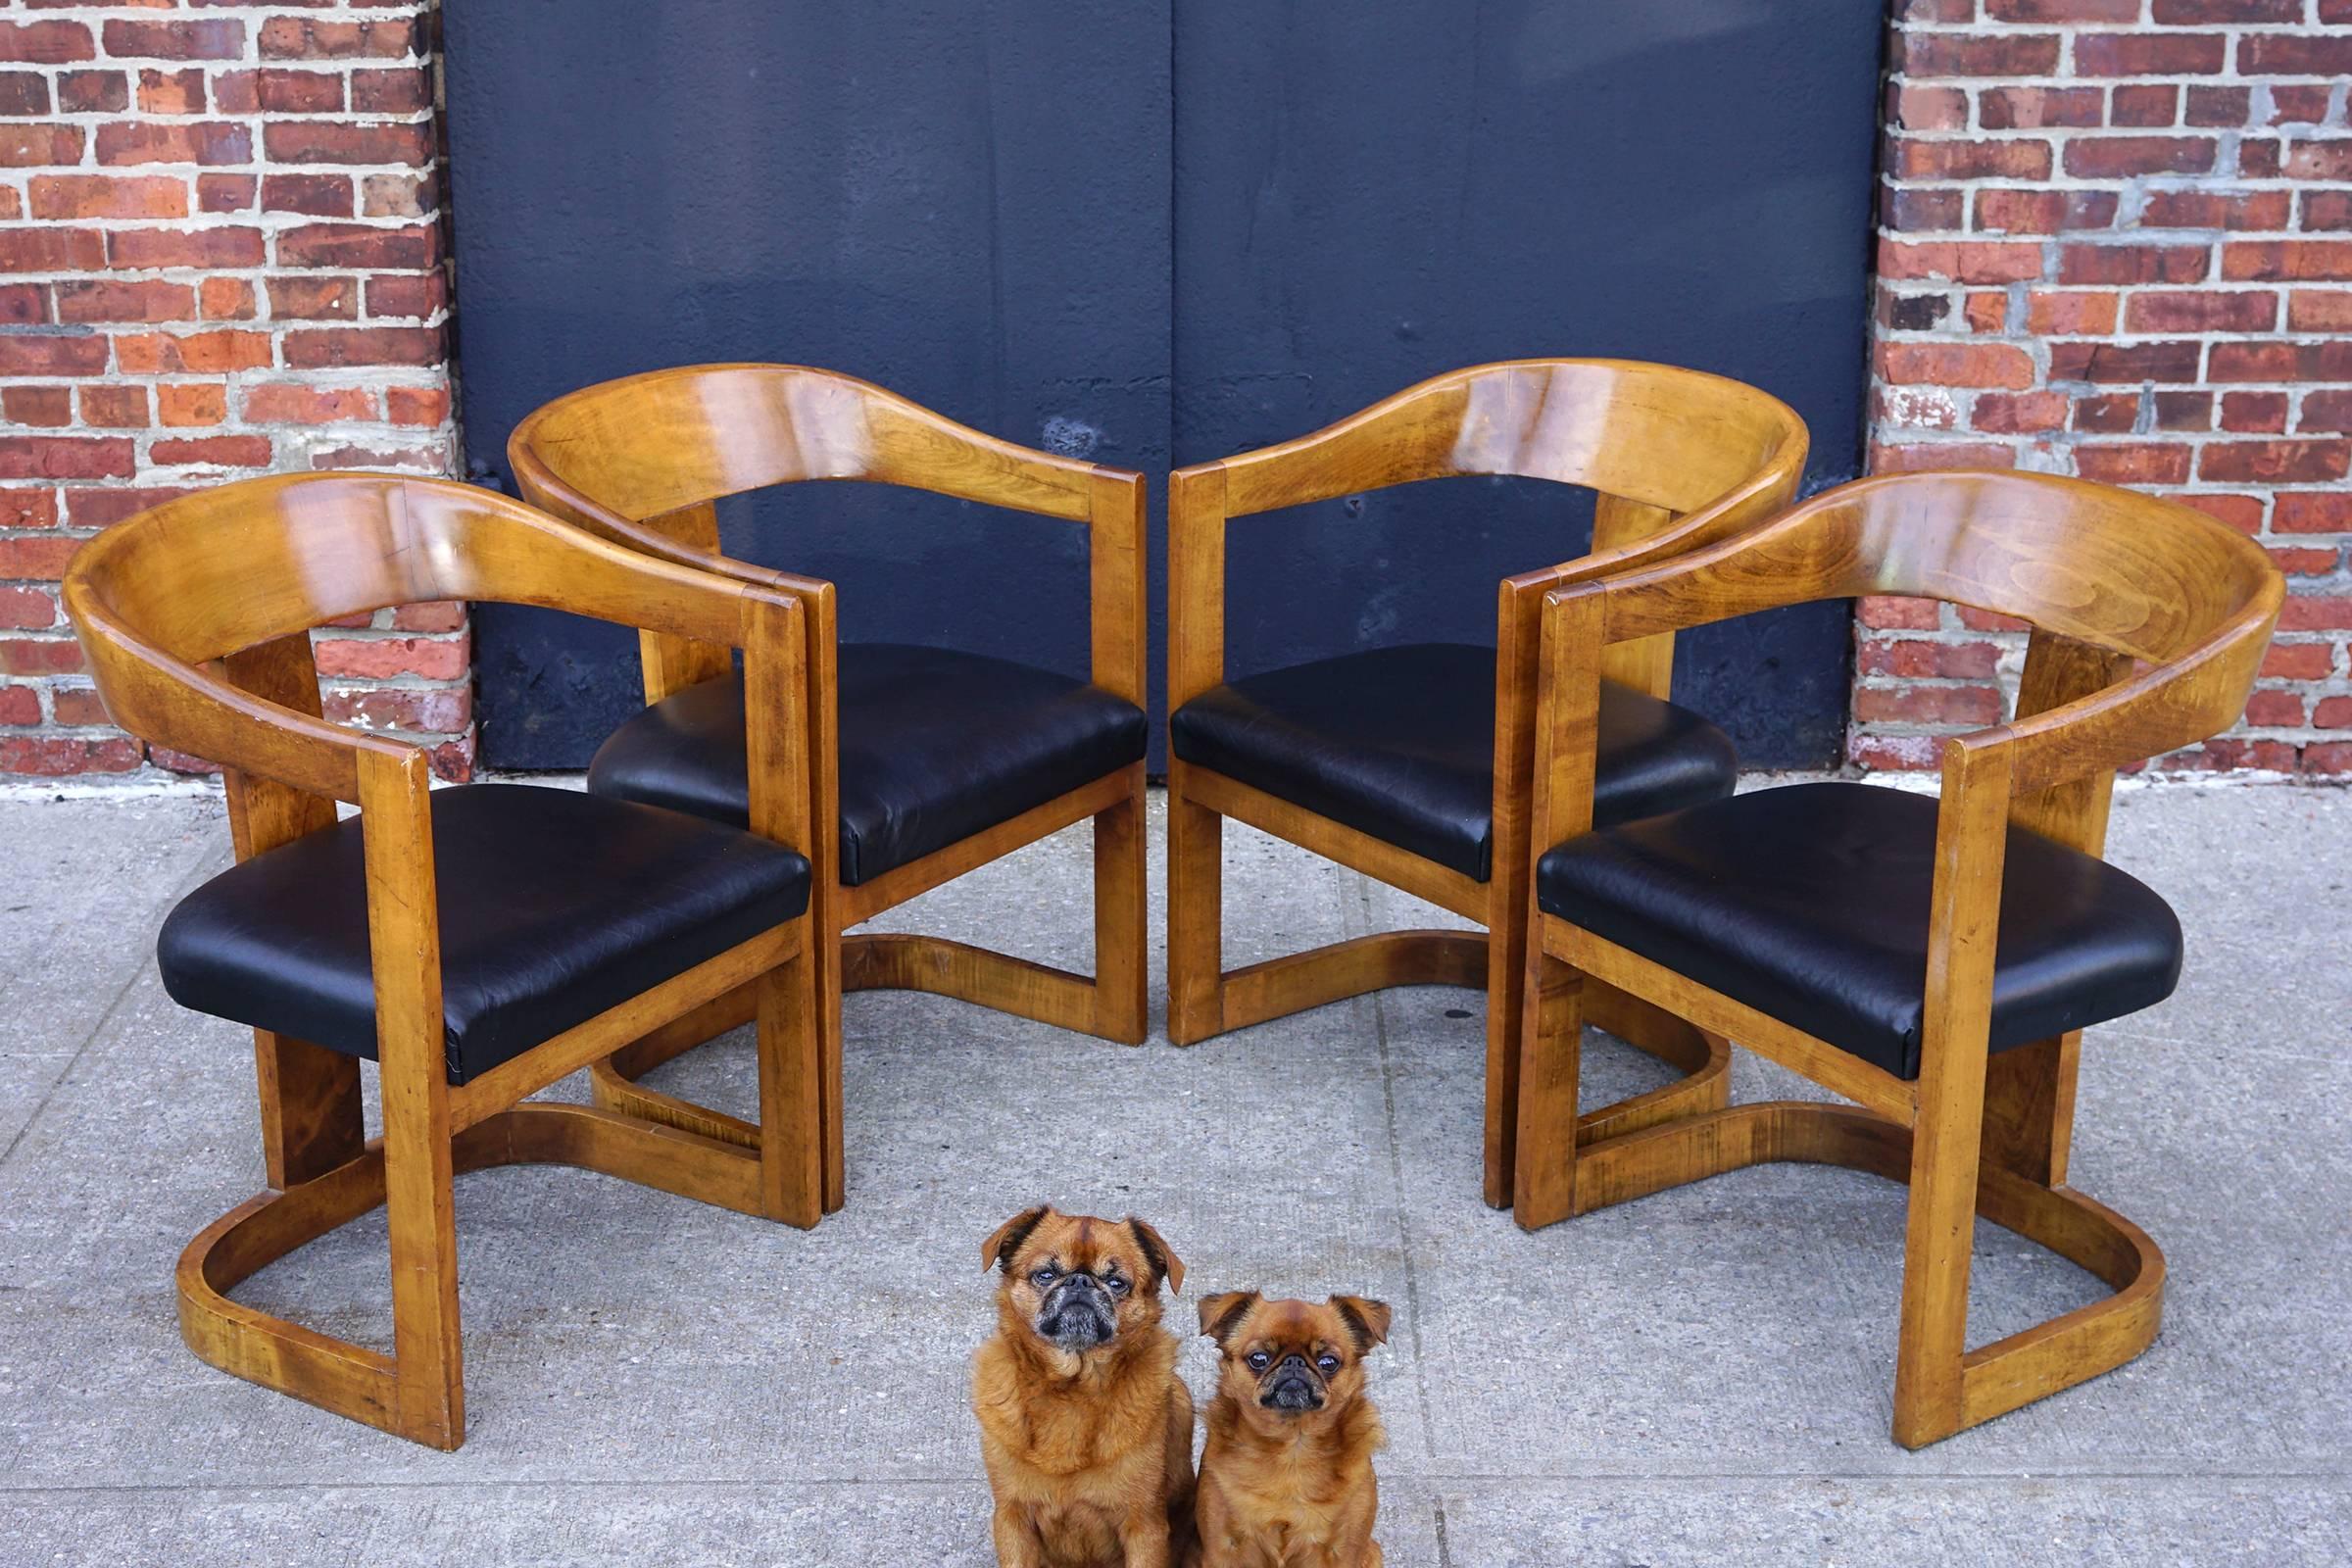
{"x": 1699, "y": 1378}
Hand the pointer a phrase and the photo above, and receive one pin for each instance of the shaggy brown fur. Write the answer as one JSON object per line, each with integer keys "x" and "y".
{"x": 1084, "y": 1427}
{"x": 1285, "y": 1481}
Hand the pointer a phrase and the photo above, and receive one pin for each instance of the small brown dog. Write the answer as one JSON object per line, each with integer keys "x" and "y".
{"x": 1286, "y": 1480}
{"x": 1086, "y": 1429}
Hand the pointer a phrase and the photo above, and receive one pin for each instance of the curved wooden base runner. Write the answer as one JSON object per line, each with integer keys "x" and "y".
{"x": 364, "y": 1384}
{"x": 1281, "y": 986}
{"x": 1996, "y": 1377}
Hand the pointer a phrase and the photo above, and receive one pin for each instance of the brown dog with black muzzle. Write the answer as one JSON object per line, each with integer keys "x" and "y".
{"x": 1084, "y": 1427}
{"x": 1286, "y": 1480}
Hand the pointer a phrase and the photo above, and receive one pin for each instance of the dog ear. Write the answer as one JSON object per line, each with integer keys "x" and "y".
{"x": 1164, "y": 1262}
{"x": 1007, "y": 1238}
{"x": 1222, "y": 1313}
{"x": 1367, "y": 1320}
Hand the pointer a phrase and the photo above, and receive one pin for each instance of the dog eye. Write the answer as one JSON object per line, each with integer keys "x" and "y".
{"x": 1044, "y": 1276}
{"x": 1115, "y": 1285}
{"x": 1329, "y": 1365}
{"x": 1258, "y": 1361}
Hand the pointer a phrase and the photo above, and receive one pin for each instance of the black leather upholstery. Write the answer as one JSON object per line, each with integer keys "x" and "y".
{"x": 555, "y": 905}
{"x": 935, "y": 747}
{"x": 1399, "y": 742}
{"x": 1810, "y": 902}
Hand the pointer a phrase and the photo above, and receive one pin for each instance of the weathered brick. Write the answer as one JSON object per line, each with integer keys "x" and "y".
{"x": 383, "y": 658}
{"x": 1999, "y": 364}
{"x": 2309, "y": 259}
{"x": 45, "y": 43}
{"x": 30, "y": 146}
{"x": 191, "y": 403}
{"x": 312, "y": 38}
{"x": 27, "y": 92}
{"x": 2150, "y": 54}
{"x": 2134, "y": 263}
{"x": 2015, "y": 413}
{"x": 184, "y": 141}
{"x": 335, "y": 142}
{"x": 2207, "y": 207}
{"x": 2134, "y": 463}
{"x": 358, "y": 245}
{"x": 2289, "y": 461}
{"x": 173, "y": 92}
{"x": 1962, "y": 260}
{"x": 2328, "y": 360}
{"x": 114, "y": 408}
{"x": 2045, "y": 212}
{"x": 363, "y": 345}
{"x": 2201, "y": 311}
{"x": 297, "y": 403}
{"x": 2218, "y": 13}
{"x": 2313, "y": 511}
{"x": 184, "y": 247}
{"x": 317, "y": 195}
{"x": 51, "y": 406}
{"x": 2146, "y": 105}
{"x": 93, "y": 93}
{"x": 215, "y": 451}
{"x": 2085, "y": 361}
{"x": 59, "y": 457}
{"x": 2254, "y": 412}
{"x": 1918, "y": 159}
{"x": 2111, "y": 156}
{"x": 225, "y": 193}
{"x": 52, "y": 354}
{"x": 2279, "y": 54}
{"x": 1939, "y": 54}
{"x": 2107, "y": 412}
{"x": 69, "y": 196}
{"x": 315, "y": 299}
{"x": 214, "y": 38}
{"x": 209, "y": 352}
{"x": 2071, "y": 313}
{"x": 2330, "y": 409}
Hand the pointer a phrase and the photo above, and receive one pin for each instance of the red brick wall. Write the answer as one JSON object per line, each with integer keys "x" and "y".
{"x": 221, "y": 254}
{"x": 2116, "y": 241}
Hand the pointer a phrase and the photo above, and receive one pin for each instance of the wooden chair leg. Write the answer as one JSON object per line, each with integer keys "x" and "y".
{"x": 1196, "y": 916}
{"x": 1122, "y": 1008}
{"x": 1550, "y": 1048}
{"x": 793, "y": 1146}
{"x": 1506, "y": 981}
{"x": 2029, "y": 1108}
{"x": 1938, "y": 1241}
{"x": 825, "y": 932}
{"x": 311, "y": 1117}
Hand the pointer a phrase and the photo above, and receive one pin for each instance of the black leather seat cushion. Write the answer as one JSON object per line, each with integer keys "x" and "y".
{"x": 1399, "y": 742}
{"x": 555, "y": 905}
{"x": 1810, "y": 902}
{"x": 935, "y": 747}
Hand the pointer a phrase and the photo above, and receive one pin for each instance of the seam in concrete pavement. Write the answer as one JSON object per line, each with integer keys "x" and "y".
{"x": 98, "y": 1027}
{"x": 1405, "y": 1235}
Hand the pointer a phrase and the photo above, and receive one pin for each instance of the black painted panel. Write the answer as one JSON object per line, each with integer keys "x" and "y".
{"x": 1163, "y": 230}
{"x": 966, "y": 203}
{"x": 1372, "y": 193}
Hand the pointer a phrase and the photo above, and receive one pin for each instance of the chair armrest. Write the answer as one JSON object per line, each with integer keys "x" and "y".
{"x": 2149, "y": 713}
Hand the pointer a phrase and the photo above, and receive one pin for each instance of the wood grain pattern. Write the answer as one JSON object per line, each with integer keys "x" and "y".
{"x": 194, "y": 617}
{"x": 1677, "y": 460}
{"x": 640, "y": 461}
{"x": 2149, "y": 623}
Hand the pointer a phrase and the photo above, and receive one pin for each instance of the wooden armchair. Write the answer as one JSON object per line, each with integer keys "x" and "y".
{"x": 929, "y": 762}
{"x": 1411, "y": 765}
{"x": 1935, "y": 961}
{"x": 481, "y": 942}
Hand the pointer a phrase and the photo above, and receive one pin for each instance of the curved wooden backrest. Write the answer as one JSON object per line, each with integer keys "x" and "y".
{"x": 647, "y": 445}
{"x": 2119, "y": 577}
{"x": 1654, "y": 434}
{"x": 253, "y": 565}
{"x": 2133, "y": 574}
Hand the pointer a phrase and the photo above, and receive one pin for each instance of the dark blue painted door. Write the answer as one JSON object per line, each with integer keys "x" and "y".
{"x": 1153, "y": 232}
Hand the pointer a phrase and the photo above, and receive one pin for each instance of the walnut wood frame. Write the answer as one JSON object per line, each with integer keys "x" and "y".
{"x": 2149, "y": 622}
{"x": 1678, "y": 460}
{"x": 195, "y": 617}
{"x": 642, "y": 460}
